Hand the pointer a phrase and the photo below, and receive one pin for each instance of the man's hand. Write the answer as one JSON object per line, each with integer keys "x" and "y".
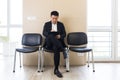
{"x": 58, "y": 36}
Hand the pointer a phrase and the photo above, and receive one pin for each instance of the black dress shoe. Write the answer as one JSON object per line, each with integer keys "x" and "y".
{"x": 58, "y": 73}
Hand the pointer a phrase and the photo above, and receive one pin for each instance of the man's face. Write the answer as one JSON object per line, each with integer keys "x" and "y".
{"x": 54, "y": 19}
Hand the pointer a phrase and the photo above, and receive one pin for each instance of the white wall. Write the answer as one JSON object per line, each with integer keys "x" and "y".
{"x": 72, "y": 14}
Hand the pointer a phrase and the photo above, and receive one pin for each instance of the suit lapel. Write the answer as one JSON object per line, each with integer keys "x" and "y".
{"x": 58, "y": 27}
{"x": 50, "y": 25}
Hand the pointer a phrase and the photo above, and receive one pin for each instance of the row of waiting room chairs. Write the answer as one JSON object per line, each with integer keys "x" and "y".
{"x": 32, "y": 42}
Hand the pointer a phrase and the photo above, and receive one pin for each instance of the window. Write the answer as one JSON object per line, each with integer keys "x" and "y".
{"x": 10, "y": 25}
{"x": 16, "y": 12}
{"x": 99, "y": 27}
{"x": 118, "y": 28}
{"x": 104, "y": 28}
{"x": 3, "y": 12}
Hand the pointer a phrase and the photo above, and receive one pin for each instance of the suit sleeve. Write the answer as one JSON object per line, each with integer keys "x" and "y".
{"x": 45, "y": 30}
{"x": 63, "y": 32}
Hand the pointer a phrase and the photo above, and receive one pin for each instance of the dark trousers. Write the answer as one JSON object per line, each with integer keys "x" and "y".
{"x": 56, "y": 46}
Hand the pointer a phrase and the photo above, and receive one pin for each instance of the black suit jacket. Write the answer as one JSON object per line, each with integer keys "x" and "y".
{"x": 60, "y": 28}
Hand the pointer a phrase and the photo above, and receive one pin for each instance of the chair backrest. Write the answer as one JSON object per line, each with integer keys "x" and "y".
{"x": 32, "y": 39}
{"x": 77, "y": 38}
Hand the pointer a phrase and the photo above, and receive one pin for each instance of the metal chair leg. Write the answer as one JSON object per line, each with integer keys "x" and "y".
{"x": 42, "y": 60}
{"x": 39, "y": 60}
{"x": 20, "y": 59}
{"x": 93, "y": 61}
{"x": 88, "y": 59}
{"x": 67, "y": 62}
{"x": 14, "y": 61}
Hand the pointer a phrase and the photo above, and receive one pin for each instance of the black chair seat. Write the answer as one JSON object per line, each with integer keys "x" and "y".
{"x": 48, "y": 50}
{"x": 27, "y": 49}
{"x": 51, "y": 50}
{"x": 80, "y": 49}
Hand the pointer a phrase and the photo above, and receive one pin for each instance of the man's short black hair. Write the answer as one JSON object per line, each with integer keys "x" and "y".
{"x": 55, "y": 13}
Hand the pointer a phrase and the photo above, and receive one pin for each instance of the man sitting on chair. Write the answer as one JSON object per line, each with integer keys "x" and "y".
{"x": 55, "y": 33}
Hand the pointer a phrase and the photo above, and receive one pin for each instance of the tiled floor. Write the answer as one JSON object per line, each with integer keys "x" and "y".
{"x": 104, "y": 71}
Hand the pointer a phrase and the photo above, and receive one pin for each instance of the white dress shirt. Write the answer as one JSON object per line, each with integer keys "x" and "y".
{"x": 54, "y": 27}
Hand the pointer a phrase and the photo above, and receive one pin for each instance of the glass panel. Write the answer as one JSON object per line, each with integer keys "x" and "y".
{"x": 3, "y": 38}
{"x": 118, "y": 44}
{"x": 98, "y": 44}
{"x": 3, "y": 12}
{"x": 119, "y": 13}
{"x": 16, "y": 12}
{"x": 15, "y": 34}
{"x": 10, "y": 36}
{"x": 118, "y": 28}
{"x": 8, "y": 47}
{"x": 99, "y": 14}
{"x": 102, "y": 55}
{"x": 3, "y": 31}
{"x": 101, "y": 43}
{"x": 99, "y": 18}
{"x": 14, "y": 39}
{"x": 1, "y": 48}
